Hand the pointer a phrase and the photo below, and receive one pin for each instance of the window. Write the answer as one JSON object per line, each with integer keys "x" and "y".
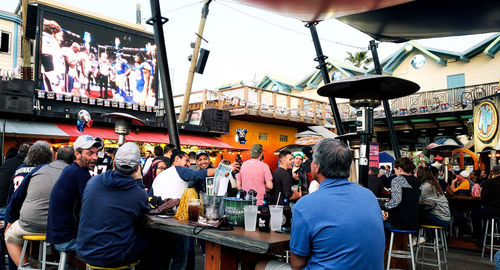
{"x": 262, "y": 136}
{"x": 283, "y": 138}
{"x": 456, "y": 81}
{"x": 4, "y": 42}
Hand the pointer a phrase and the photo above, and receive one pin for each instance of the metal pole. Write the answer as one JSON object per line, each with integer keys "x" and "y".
{"x": 194, "y": 59}
{"x": 364, "y": 150}
{"x": 3, "y": 141}
{"x": 387, "y": 109}
{"x": 157, "y": 21}
{"x": 324, "y": 72}
{"x": 26, "y": 69}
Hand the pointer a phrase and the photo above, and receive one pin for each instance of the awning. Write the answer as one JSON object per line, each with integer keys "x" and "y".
{"x": 146, "y": 136}
{"x": 427, "y": 19}
{"x": 32, "y": 129}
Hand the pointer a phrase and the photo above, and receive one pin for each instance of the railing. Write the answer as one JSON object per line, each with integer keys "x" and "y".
{"x": 265, "y": 103}
{"x": 434, "y": 101}
{"x": 255, "y": 101}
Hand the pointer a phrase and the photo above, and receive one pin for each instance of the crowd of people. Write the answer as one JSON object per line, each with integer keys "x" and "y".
{"x": 77, "y": 68}
{"x": 82, "y": 210}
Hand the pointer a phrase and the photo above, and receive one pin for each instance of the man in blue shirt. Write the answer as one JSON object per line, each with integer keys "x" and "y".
{"x": 350, "y": 234}
{"x": 66, "y": 196}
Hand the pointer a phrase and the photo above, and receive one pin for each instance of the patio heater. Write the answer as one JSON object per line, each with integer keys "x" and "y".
{"x": 365, "y": 93}
{"x": 123, "y": 123}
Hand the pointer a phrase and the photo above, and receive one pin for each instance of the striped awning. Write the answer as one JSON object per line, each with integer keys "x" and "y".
{"x": 31, "y": 129}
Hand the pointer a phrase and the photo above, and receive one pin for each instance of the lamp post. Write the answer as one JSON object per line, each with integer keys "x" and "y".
{"x": 123, "y": 123}
{"x": 365, "y": 93}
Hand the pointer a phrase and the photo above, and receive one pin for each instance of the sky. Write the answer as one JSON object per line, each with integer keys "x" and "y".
{"x": 246, "y": 43}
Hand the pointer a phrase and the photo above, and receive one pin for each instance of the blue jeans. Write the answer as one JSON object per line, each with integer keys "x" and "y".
{"x": 69, "y": 246}
{"x": 497, "y": 260}
{"x": 431, "y": 219}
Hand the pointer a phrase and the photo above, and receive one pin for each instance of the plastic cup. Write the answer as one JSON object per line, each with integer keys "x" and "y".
{"x": 250, "y": 212}
{"x": 193, "y": 209}
{"x": 276, "y": 216}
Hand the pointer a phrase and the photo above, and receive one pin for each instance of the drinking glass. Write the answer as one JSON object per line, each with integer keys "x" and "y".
{"x": 193, "y": 209}
{"x": 250, "y": 212}
{"x": 276, "y": 216}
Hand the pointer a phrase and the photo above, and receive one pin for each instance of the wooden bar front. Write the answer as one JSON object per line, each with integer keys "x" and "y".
{"x": 225, "y": 249}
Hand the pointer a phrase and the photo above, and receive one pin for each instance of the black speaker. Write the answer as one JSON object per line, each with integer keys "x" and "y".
{"x": 17, "y": 104}
{"x": 216, "y": 120}
{"x": 202, "y": 61}
{"x": 30, "y": 29}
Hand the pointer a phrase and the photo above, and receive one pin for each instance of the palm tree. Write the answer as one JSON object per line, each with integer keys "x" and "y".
{"x": 359, "y": 59}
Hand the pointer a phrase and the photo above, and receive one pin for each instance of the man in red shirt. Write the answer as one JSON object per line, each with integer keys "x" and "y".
{"x": 255, "y": 174}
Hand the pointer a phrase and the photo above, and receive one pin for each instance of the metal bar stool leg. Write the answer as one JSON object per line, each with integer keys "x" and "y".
{"x": 445, "y": 248}
{"x": 44, "y": 258}
{"x": 484, "y": 238}
{"x": 411, "y": 252}
{"x": 62, "y": 261}
{"x": 418, "y": 242}
{"x": 436, "y": 247}
{"x": 21, "y": 260}
{"x": 492, "y": 237}
{"x": 390, "y": 251}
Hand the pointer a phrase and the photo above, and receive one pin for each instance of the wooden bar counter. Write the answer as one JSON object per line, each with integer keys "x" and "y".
{"x": 225, "y": 249}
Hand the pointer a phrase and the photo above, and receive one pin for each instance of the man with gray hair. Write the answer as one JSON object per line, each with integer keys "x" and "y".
{"x": 338, "y": 238}
{"x": 28, "y": 208}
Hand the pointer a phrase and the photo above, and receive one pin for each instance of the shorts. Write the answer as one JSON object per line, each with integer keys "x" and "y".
{"x": 14, "y": 235}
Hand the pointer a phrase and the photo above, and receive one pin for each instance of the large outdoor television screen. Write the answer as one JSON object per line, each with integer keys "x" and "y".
{"x": 84, "y": 57}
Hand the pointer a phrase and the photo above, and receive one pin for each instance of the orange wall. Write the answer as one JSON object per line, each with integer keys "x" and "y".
{"x": 269, "y": 146}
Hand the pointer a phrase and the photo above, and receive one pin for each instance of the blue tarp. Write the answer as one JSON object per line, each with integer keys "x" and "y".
{"x": 385, "y": 158}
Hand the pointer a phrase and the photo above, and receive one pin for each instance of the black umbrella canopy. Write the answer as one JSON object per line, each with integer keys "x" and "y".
{"x": 377, "y": 87}
{"x": 428, "y": 19}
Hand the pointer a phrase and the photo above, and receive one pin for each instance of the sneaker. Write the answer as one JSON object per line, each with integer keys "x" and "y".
{"x": 421, "y": 240}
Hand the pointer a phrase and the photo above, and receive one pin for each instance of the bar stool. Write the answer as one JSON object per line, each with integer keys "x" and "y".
{"x": 492, "y": 234}
{"x": 438, "y": 245}
{"x": 42, "y": 251}
{"x": 130, "y": 266}
{"x": 401, "y": 253}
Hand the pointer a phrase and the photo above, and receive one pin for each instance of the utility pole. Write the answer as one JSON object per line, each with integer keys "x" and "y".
{"x": 25, "y": 45}
{"x": 138, "y": 16}
{"x": 194, "y": 59}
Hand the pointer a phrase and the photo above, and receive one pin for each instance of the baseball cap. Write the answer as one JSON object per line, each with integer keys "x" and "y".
{"x": 87, "y": 141}
{"x": 128, "y": 157}
{"x": 298, "y": 153}
{"x": 465, "y": 173}
{"x": 201, "y": 153}
{"x": 256, "y": 150}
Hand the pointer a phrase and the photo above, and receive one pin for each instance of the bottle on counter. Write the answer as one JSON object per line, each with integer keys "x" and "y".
{"x": 286, "y": 225}
{"x": 264, "y": 216}
{"x": 252, "y": 196}
{"x": 241, "y": 195}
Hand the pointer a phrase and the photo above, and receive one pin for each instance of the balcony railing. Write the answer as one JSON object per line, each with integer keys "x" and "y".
{"x": 255, "y": 101}
{"x": 265, "y": 103}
